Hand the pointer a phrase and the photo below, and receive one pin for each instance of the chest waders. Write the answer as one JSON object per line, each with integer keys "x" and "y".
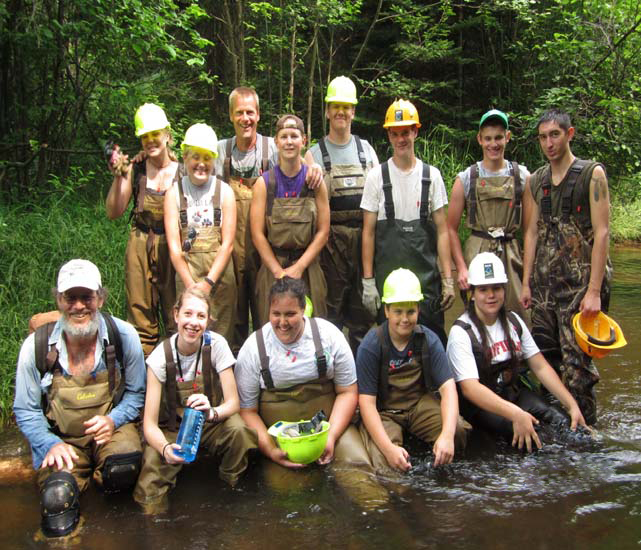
{"x": 561, "y": 276}
{"x": 341, "y": 257}
{"x": 201, "y": 256}
{"x": 291, "y": 226}
{"x": 411, "y": 245}
{"x": 494, "y": 213}
{"x": 149, "y": 273}
{"x": 246, "y": 259}
{"x": 73, "y": 399}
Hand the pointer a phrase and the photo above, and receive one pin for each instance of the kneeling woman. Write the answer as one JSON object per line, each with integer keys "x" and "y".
{"x": 293, "y": 367}
{"x": 289, "y": 224}
{"x": 192, "y": 368}
{"x": 200, "y": 221}
{"x": 490, "y": 350}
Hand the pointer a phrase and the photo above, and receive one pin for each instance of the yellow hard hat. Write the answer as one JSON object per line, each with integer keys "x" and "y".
{"x": 202, "y": 136}
{"x": 401, "y": 113}
{"x": 341, "y": 90}
{"x": 599, "y": 335}
{"x": 149, "y": 118}
{"x": 302, "y": 449}
{"x": 401, "y": 285}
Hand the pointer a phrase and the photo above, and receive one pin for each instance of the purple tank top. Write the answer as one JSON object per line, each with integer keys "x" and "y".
{"x": 286, "y": 186}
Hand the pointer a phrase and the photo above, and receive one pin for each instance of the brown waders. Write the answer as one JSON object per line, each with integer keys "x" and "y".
{"x": 407, "y": 401}
{"x": 341, "y": 258}
{"x": 230, "y": 439}
{"x": 494, "y": 207}
{"x": 71, "y": 401}
{"x": 291, "y": 226}
{"x": 200, "y": 258}
{"x": 411, "y": 245}
{"x": 561, "y": 276}
{"x": 149, "y": 273}
{"x": 246, "y": 259}
{"x": 351, "y": 464}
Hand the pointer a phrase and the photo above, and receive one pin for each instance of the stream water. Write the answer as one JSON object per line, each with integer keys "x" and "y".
{"x": 577, "y": 494}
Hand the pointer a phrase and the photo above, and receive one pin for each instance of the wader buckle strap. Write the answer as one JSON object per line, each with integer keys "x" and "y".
{"x": 426, "y": 181}
{"x": 361, "y": 152}
{"x": 321, "y": 360}
{"x": 170, "y": 385}
{"x": 264, "y": 360}
{"x": 474, "y": 175}
{"x": 387, "y": 191}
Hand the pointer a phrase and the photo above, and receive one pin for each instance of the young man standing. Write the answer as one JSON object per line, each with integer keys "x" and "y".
{"x": 490, "y": 192}
{"x": 346, "y": 160}
{"x": 404, "y": 223}
{"x": 566, "y": 267}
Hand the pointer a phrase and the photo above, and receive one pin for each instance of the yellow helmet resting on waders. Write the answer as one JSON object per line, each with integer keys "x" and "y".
{"x": 401, "y": 113}
{"x": 149, "y": 118}
{"x": 486, "y": 268}
{"x": 341, "y": 90}
{"x": 202, "y": 136}
{"x": 303, "y": 441}
{"x": 599, "y": 335}
{"x": 401, "y": 285}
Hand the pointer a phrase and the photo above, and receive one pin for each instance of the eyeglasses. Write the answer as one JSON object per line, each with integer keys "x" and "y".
{"x": 85, "y": 297}
{"x": 189, "y": 241}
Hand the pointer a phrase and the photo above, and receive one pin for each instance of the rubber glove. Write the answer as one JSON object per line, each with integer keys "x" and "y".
{"x": 371, "y": 297}
{"x": 447, "y": 294}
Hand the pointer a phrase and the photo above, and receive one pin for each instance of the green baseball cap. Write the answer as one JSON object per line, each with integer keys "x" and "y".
{"x": 494, "y": 113}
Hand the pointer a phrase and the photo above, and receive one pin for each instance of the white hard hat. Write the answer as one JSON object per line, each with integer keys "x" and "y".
{"x": 486, "y": 269}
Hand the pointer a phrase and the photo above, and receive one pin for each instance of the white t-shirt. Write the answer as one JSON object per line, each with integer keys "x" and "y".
{"x": 459, "y": 347}
{"x": 406, "y": 191}
{"x": 464, "y": 176}
{"x": 292, "y": 364}
{"x": 221, "y": 356}
{"x": 200, "y": 208}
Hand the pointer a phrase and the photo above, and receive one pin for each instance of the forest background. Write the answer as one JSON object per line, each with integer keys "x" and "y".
{"x": 72, "y": 74}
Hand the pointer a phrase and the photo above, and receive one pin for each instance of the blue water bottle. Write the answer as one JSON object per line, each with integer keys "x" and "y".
{"x": 191, "y": 429}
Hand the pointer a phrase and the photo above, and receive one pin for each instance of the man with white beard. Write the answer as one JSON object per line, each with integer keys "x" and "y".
{"x": 80, "y": 385}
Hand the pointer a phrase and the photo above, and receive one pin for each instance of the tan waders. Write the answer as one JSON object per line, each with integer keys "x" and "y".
{"x": 411, "y": 245}
{"x": 291, "y": 227}
{"x": 407, "y": 401}
{"x": 351, "y": 464}
{"x": 231, "y": 439}
{"x": 200, "y": 258}
{"x": 246, "y": 259}
{"x": 149, "y": 273}
{"x": 494, "y": 206}
{"x": 341, "y": 258}
{"x": 561, "y": 275}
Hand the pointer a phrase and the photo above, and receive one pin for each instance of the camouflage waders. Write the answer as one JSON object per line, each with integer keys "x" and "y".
{"x": 246, "y": 259}
{"x": 494, "y": 206}
{"x": 149, "y": 273}
{"x": 291, "y": 226}
{"x": 561, "y": 276}
{"x": 406, "y": 400}
{"x": 200, "y": 258}
{"x": 341, "y": 257}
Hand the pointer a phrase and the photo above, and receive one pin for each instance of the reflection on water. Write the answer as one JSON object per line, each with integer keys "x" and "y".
{"x": 570, "y": 494}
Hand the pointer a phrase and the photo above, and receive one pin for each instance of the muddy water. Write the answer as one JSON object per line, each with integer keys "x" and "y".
{"x": 574, "y": 495}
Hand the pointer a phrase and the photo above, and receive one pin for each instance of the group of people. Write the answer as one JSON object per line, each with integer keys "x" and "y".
{"x": 248, "y": 232}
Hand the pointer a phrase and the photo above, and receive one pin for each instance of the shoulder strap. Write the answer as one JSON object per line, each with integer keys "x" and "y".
{"x": 361, "y": 152}
{"x": 210, "y": 375}
{"x": 546, "y": 189}
{"x": 45, "y": 358}
{"x": 474, "y": 176}
{"x": 518, "y": 192}
{"x": 572, "y": 177}
{"x": 424, "y": 211}
{"x": 216, "y": 200}
{"x": 170, "y": 385}
{"x": 113, "y": 352}
{"x": 515, "y": 323}
{"x": 383, "y": 371}
{"x": 140, "y": 184}
{"x": 271, "y": 191}
{"x": 264, "y": 360}
{"x": 321, "y": 360}
{"x": 387, "y": 191}
{"x": 422, "y": 350}
{"x": 265, "y": 159}
{"x": 477, "y": 349}
{"x": 227, "y": 161}
{"x": 183, "y": 204}
{"x": 327, "y": 161}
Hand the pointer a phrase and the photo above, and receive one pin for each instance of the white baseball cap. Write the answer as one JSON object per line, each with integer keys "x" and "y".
{"x": 79, "y": 273}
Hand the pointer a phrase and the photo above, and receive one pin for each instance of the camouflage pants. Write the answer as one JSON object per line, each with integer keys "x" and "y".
{"x": 553, "y": 333}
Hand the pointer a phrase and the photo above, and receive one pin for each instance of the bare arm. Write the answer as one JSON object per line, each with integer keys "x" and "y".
{"x": 443, "y": 242}
{"x": 119, "y": 194}
{"x": 454, "y": 214}
{"x": 339, "y": 419}
{"x": 530, "y": 237}
{"x": 257, "y": 226}
{"x": 600, "y": 217}
{"x": 444, "y": 444}
{"x": 172, "y": 230}
{"x": 368, "y": 240}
